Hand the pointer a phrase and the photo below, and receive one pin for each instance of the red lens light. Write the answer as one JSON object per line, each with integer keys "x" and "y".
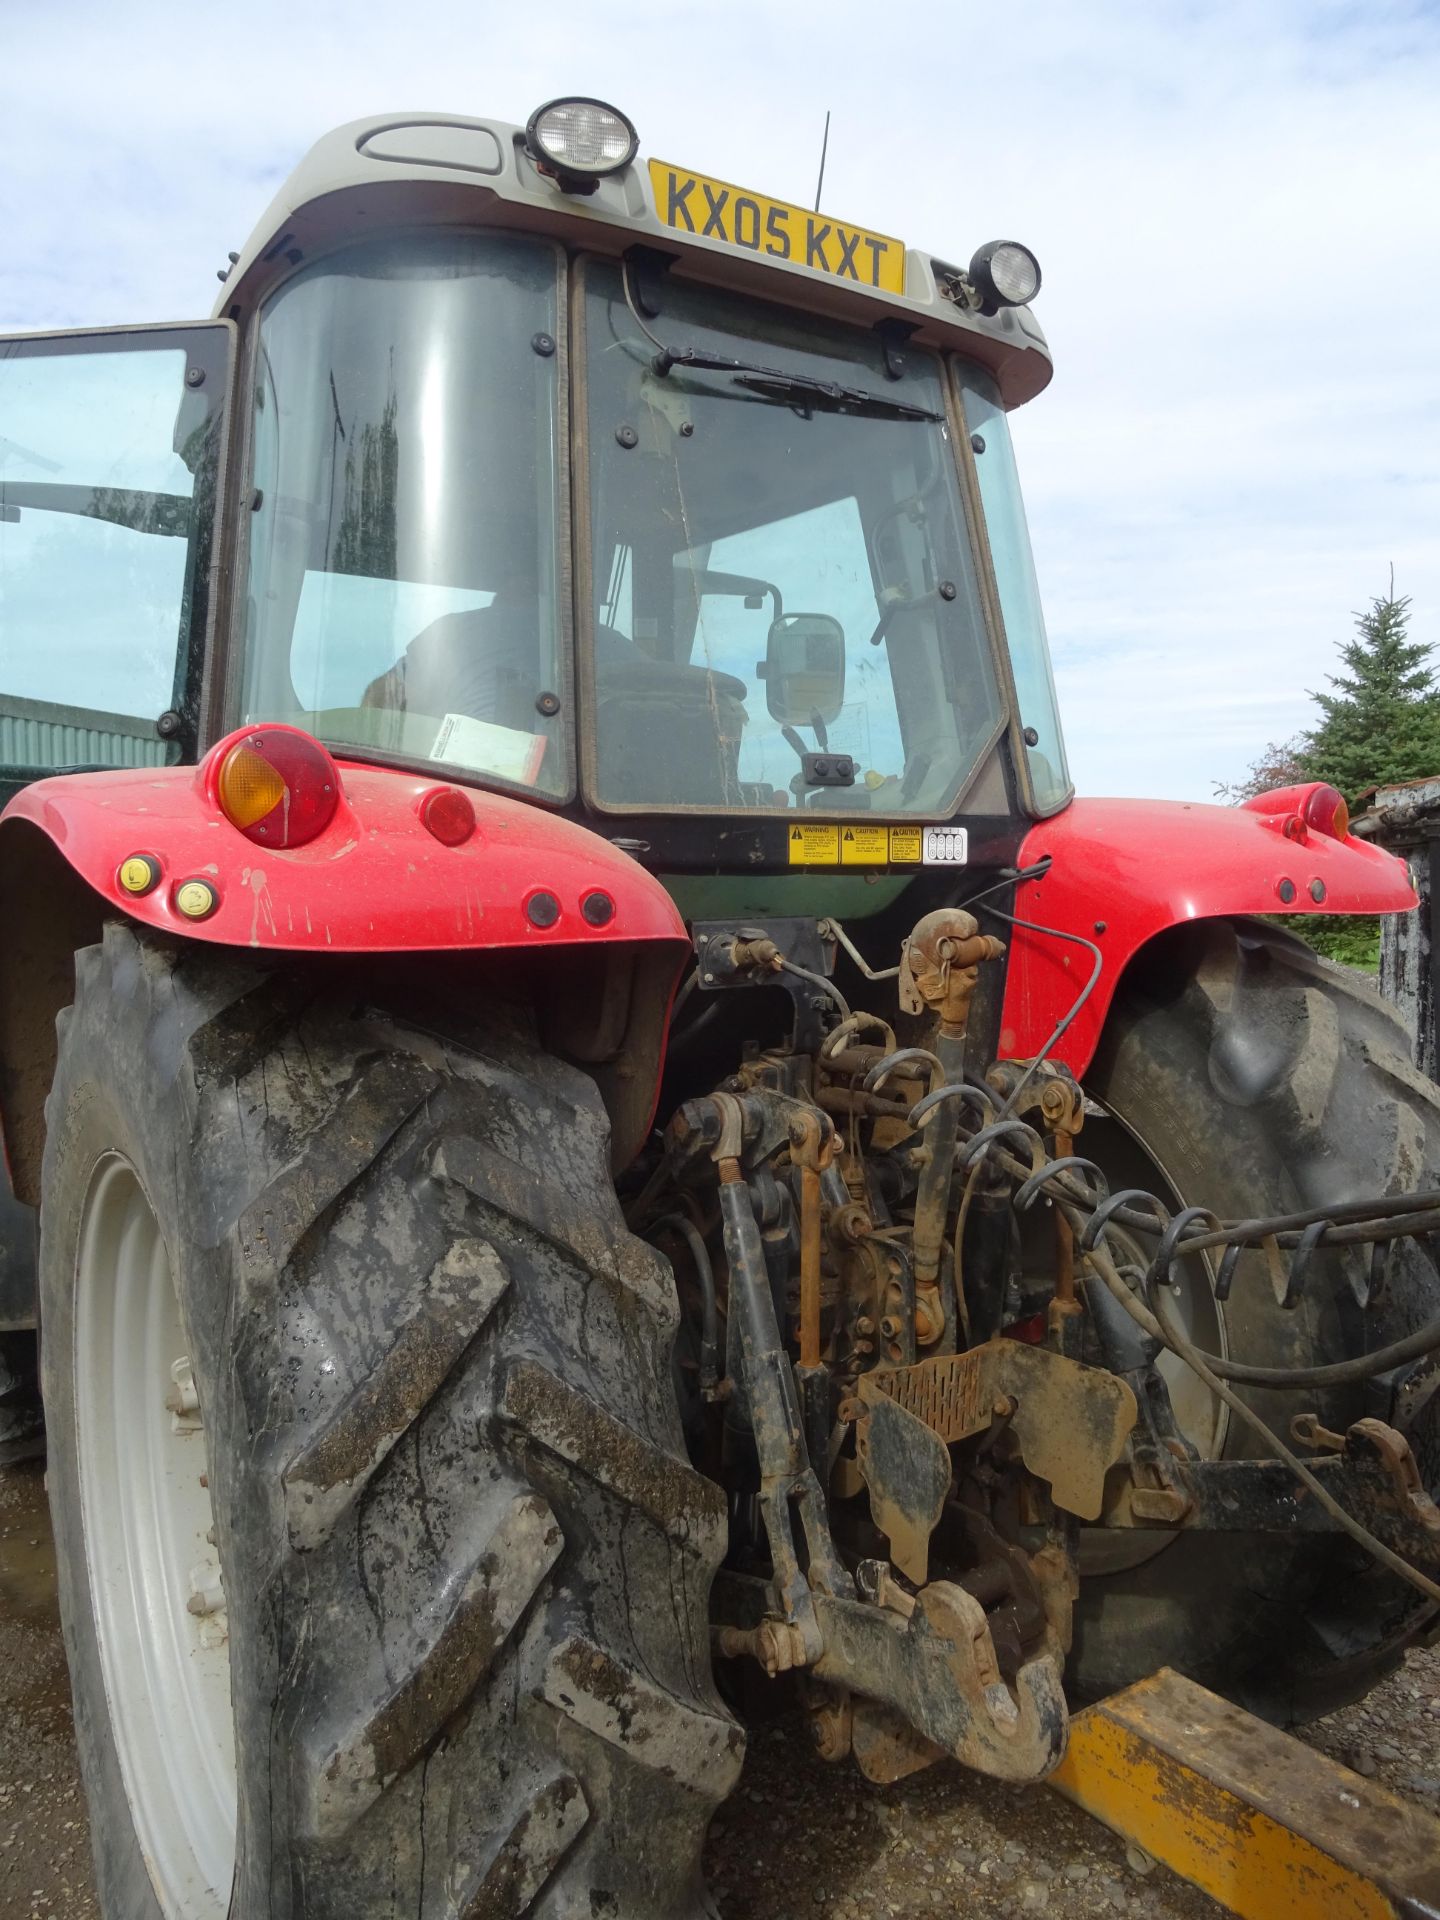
{"x": 449, "y": 815}
{"x": 278, "y": 786}
{"x": 1326, "y": 810}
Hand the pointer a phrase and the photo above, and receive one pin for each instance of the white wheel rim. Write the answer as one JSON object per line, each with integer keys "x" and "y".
{"x": 146, "y": 1514}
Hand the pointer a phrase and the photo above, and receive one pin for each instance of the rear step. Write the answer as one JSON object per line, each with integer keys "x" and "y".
{"x": 1256, "y": 1819}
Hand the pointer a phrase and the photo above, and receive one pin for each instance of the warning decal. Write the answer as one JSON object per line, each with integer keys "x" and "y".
{"x": 814, "y": 846}
{"x": 864, "y": 846}
{"x": 905, "y": 843}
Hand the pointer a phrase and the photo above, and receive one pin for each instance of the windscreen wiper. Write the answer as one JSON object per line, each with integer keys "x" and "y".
{"x": 774, "y": 383}
{"x": 828, "y": 395}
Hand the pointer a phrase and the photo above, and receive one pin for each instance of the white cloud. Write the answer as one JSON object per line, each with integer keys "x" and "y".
{"x": 1237, "y": 208}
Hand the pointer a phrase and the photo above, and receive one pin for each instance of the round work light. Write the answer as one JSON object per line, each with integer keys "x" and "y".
{"x": 580, "y": 141}
{"x": 1004, "y": 274}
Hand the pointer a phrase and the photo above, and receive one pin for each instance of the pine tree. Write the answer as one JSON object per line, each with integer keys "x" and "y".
{"x": 1381, "y": 722}
{"x": 1379, "y": 725}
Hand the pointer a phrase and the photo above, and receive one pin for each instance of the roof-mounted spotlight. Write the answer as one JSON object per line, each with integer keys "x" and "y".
{"x": 1004, "y": 274}
{"x": 577, "y": 142}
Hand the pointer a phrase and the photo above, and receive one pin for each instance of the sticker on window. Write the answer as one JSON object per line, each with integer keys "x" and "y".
{"x": 945, "y": 846}
{"x": 507, "y": 752}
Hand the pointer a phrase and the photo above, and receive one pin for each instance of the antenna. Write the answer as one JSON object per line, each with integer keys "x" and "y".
{"x": 824, "y": 148}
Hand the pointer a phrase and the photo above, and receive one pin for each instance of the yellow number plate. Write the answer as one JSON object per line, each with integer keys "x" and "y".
{"x": 714, "y": 210}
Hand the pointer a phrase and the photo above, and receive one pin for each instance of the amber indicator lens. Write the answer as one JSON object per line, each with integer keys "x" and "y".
{"x": 278, "y": 786}
{"x": 1328, "y": 812}
{"x": 250, "y": 787}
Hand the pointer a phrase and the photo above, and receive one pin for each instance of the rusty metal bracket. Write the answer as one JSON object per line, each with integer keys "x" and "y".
{"x": 886, "y": 1749}
{"x": 906, "y": 1467}
{"x": 1372, "y": 1440}
{"x": 938, "y": 1671}
{"x": 729, "y": 954}
{"x": 1051, "y": 1090}
{"x": 1070, "y": 1422}
{"x": 1263, "y": 1496}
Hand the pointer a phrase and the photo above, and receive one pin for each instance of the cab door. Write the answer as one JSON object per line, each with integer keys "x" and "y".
{"x": 111, "y": 453}
{"x": 111, "y": 449}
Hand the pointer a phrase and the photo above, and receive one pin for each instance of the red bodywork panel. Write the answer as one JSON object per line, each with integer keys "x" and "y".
{"x": 374, "y": 881}
{"x": 1136, "y": 867}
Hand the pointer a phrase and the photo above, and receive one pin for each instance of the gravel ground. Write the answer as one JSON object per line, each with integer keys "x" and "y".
{"x": 943, "y": 1841}
{"x": 44, "y": 1835}
{"x": 946, "y": 1841}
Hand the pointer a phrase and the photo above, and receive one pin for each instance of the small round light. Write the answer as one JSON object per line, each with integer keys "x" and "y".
{"x": 278, "y": 786}
{"x": 196, "y": 899}
{"x": 449, "y": 815}
{"x": 598, "y": 908}
{"x": 1004, "y": 274}
{"x": 140, "y": 873}
{"x": 581, "y": 139}
{"x": 1285, "y": 888}
{"x": 1326, "y": 810}
{"x": 542, "y": 909}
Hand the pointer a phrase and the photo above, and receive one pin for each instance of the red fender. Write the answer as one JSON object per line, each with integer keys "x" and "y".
{"x": 1124, "y": 870}
{"x": 374, "y": 881}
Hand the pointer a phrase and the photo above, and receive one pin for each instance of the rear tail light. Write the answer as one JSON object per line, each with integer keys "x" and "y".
{"x": 278, "y": 786}
{"x": 1327, "y": 812}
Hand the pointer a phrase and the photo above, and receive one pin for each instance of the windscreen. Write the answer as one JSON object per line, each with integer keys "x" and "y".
{"x": 782, "y": 576}
{"x": 401, "y": 589}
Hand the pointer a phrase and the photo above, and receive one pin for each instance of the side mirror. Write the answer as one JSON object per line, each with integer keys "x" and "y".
{"x": 804, "y": 669}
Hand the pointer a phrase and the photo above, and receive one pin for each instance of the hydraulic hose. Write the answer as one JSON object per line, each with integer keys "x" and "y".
{"x": 1161, "y": 1327}
{"x": 709, "y": 1309}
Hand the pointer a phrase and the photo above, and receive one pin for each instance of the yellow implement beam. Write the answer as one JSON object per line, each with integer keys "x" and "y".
{"x": 1265, "y": 1825}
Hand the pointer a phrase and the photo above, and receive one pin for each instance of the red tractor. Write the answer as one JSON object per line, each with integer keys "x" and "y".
{"x": 605, "y": 1130}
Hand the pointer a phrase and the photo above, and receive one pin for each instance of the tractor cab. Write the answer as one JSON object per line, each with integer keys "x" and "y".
{"x": 536, "y": 475}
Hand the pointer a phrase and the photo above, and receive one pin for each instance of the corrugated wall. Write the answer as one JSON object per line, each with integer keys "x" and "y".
{"x": 35, "y": 733}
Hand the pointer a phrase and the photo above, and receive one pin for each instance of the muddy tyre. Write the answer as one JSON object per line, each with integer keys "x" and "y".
{"x": 1259, "y": 1078}
{"x": 460, "y": 1567}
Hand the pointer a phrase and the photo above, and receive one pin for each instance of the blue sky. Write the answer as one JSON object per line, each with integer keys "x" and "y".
{"x": 1237, "y": 208}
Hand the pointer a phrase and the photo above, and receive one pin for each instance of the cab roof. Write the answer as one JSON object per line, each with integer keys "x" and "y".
{"x": 409, "y": 169}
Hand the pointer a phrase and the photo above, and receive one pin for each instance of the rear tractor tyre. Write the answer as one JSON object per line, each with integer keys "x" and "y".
{"x": 383, "y": 1573}
{"x": 1255, "y": 1078}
